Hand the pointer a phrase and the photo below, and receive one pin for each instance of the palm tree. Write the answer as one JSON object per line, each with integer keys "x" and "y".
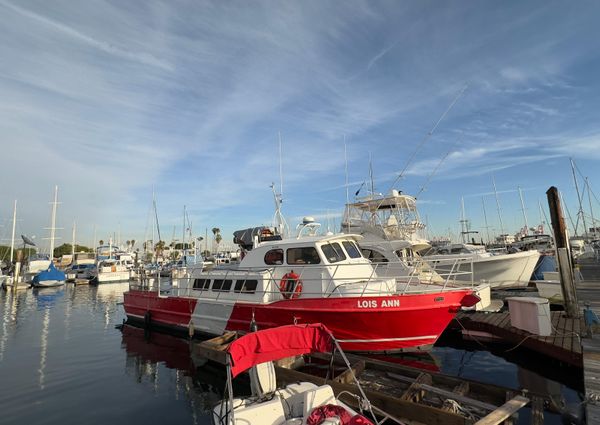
{"x": 159, "y": 247}
{"x": 216, "y": 234}
{"x": 101, "y": 242}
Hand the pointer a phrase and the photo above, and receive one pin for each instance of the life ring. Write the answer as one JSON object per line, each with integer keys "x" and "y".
{"x": 290, "y": 285}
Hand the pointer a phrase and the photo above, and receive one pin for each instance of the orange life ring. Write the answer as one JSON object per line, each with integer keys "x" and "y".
{"x": 290, "y": 285}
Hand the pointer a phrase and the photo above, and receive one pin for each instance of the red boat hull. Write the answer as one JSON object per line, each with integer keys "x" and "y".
{"x": 367, "y": 324}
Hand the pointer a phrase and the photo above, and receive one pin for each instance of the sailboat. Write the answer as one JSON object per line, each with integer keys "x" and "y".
{"x": 50, "y": 276}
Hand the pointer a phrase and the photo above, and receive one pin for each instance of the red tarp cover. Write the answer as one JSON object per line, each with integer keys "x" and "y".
{"x": 278, "y": 343}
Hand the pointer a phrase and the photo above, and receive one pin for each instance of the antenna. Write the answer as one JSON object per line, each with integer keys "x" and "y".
{"x": 280, "y": 168}
{"x": 27, "y": 240}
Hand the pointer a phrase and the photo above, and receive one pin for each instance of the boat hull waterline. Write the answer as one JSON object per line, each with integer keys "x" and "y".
{"x": 364, "y": 324}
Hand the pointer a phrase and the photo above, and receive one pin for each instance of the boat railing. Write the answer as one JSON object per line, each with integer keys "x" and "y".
{"x": 323, "y": 281}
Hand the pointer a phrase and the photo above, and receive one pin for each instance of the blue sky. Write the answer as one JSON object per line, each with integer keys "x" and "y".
{"x": 109, "y": 100}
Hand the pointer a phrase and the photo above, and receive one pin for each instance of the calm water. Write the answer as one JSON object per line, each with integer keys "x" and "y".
{"x": 63, "y": 361}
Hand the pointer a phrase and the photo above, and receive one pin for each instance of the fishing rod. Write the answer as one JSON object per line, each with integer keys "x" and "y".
{"x": 430, "y": 133}
{"x": 437, "y": 167}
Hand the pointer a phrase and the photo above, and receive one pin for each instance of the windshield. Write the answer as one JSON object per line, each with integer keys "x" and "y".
{"x": 333, "y": 252}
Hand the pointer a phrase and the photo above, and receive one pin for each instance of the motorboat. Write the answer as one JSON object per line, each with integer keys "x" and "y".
{"x": 512, "y": 270}
{"x": 304, "y": 279}
{"x": 294, "y": 404}
{"x": 36, "y": 263}
{"x": 111, "y": 270}
{"x": 393, "y": 234}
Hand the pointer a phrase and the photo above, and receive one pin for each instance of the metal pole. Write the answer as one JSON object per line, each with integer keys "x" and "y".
{"x": 561, "y": 241}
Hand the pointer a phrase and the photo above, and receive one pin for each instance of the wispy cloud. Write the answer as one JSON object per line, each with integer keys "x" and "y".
{"x": 188, "y": 99}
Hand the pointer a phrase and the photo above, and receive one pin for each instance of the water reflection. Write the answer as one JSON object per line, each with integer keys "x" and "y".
{"x": 60, "y": 344}
{"x": 147, "y": 353}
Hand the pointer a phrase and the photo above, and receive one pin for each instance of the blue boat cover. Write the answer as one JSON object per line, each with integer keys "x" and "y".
{"x": 52, "y": 273}
{"x": 546, "y": 263}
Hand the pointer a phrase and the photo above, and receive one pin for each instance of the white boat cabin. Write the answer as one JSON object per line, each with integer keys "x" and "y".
{"x": 306, "y": 267}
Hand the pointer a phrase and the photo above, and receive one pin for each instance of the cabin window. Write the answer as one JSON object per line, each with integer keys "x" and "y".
{"x": 274, "y": 257}
{"x": 333, "y": 252}
{"x": 201, "y": 284}
{"x": 220, "y": 285}
{"x": 246, "y": 286}
{"x": 304, "y": 255}
{"x": 351, "y": 249}
{"x": 374, "y": 256}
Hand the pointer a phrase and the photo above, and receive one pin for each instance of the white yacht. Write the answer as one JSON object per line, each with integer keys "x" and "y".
{"x": 500, "y": 270}
{"x": 111, "y": 270}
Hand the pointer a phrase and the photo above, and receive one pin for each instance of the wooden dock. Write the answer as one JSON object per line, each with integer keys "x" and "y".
{"x": 413, "y": 395}
{"x": 588, "y": 293}
{"x": 564, "y": 344}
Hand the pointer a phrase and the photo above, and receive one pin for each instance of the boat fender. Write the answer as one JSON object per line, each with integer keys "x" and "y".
{"x": 290, "y": 285}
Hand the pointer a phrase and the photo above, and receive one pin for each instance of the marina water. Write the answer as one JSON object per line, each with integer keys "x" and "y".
{"x": 63, "y": 360}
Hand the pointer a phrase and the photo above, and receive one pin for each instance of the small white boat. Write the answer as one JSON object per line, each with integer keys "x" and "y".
{"x": 295, "y": 404}
{"x": 111, "y": 271}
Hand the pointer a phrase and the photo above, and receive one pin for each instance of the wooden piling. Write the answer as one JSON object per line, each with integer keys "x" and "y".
{"x": 565, "y": 265}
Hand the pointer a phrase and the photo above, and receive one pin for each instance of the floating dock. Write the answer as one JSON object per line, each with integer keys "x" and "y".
{"x": 564, "y": 344}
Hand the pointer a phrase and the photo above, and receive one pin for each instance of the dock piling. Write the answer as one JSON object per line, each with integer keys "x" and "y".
{"x": 565, "y": 264}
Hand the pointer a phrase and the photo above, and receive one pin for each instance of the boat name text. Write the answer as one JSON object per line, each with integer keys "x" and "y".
{"x": 375, "y": 304}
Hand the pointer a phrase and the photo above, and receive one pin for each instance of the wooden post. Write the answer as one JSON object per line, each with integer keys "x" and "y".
{"x": 17, "y": 270}
{"x": 565, "y": 266}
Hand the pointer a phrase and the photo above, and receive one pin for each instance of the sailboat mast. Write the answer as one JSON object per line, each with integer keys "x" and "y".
{"x": 463, "y": 221}
{"x": 346, "y": 170}
{"x": 523, "y": 210}
{"x": 371, "y": 175}
{"x": 498, "y": 206}
{"x": 589, "y": 190}
{"x": 487, "y": 228}
{"x": 53, "y": 228}
{"x": 580, "y": 212}
{"x": 73, "y": 241}
{"x": 183, "y": 236}
{"x": 14, "y": 226}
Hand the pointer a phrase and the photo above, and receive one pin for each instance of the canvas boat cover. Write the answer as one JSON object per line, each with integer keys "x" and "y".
{"x": 245, "y": 237}
{"x": 278, "y": 343}
{"x": 51, "y": 273}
